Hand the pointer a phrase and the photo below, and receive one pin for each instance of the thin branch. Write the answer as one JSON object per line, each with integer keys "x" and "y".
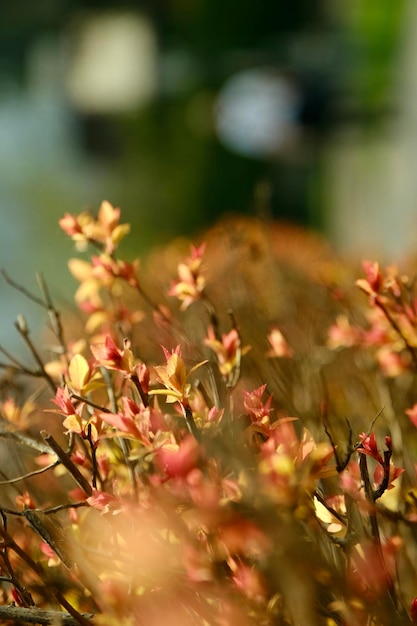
{"x": 236, "y": 372}
{"x": 4, "y": 510}
{"x": 379, "y": 491}
{"x": 78, "y": 617}
{"x": 25, "y": 440}
{"x": 28, "y": 294}
{"x": 17, "y": 364}
{"x": 341, "y": 465}
{"x": 67, "y": 463}
{"x": 63, "y": 507}
{"x": 53, "y": 313}
{"x": 370, "y": 429}
{"x": 95, "y": 469}
{"x": 211, "y": 310}
{"x": 23, "y": 330}
{"x": 50, "y": 532}
{"x": 341, "y": 518}
{"x": 153, "y": 305}
{"x": 90, "y": 403}
{"x": 371, "y": 496}
{"x": 39, "y": 616}
{"x": 22, "y": 370}
{"x": 143, "y": 395}
{"x": 191, "y": 425}
{"x": 25, "y": 595}
{"x": 10, "y": 481}
{"x": 398, "y": 330}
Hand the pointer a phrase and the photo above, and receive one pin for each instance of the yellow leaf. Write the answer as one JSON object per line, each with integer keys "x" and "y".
{"x": 88, "y": 290}
{"x": 172, "y": 365}
{"x": 107, "y": 214}
{"x": 81, "y": 270}
{"x": 73, "y": 424}
{"x": 119, "y": 232}
{"x": 79, "y": 372}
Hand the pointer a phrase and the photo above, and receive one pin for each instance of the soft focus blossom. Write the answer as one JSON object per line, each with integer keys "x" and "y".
{"x": 190, "y": 284}
{"x": 412, "y": 414}
{"x": 279, "y": 345}
{"x": 226, "y": 350}
{"x": 373, "y": 282}
{"x": 105, "y": 230}
{"x": 342, "y": 334}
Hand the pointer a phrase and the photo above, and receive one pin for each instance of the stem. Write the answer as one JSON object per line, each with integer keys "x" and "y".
{"x": 25, "y": 595}
{"x": 124, "y": 445}
{"x": 10, "y": 481}
{"x": 67, "y": 463}
{"x": 234, "y": 378}
{"x": 95, "y": 470}
{"x": 24, "y": 440}
{"x": 39, "y": 616}
{"x": 94, "y": 405}
{"x": 143, "y": 396}
{"x": 79, "y": 619}
{"x": 371, "y": 495}
{"x": 395, "y": 326}
{"x": 53, "y": 313}
{"x": 191, "y": 425}
{"x": 341, "y": 518}
{"x": 23, "y": 330}
{"x": 22, "y": 289}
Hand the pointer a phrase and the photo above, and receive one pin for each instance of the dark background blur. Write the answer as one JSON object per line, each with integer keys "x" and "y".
{"x": 181, "y": 110}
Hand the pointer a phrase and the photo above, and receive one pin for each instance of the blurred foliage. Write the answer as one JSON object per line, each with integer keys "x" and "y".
{"x": 164, "y": 163}
{"x": 216, "y": 505}
{"x": 375, "y": 28}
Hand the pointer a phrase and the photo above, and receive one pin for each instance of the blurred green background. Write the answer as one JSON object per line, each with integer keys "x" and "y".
{"x": 179, "y": 111}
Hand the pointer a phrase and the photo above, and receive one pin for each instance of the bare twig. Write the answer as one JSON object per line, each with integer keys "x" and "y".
{"x": 25, "y": 440}
{"x": 103, "y": 409}
{"x": 39, "y": 616}
{"x": 53, "y": 313}
{"x": 67, "y": 463}
{"x": 232, "y": 382}
{"x": 35, "y": 567}
{"x": 341, "y": 518}
{"x": 50, "y": 532}
{"x": 25, "y": 595}
{"x": 411, "y": 350}
{"x": 42, "y": 470}
{"x": 143, "y": 396}
{"x": 95, "y": 470}
{"x": 63, "y": 507}
{"x": 191, "y": 425}
{"x": 28, "y": 294}
{"x": 23, "y": 330}
{"x": 15, "y": 363}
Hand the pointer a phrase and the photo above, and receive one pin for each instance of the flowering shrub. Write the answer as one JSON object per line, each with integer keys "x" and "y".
{"x": 229, "y": 442}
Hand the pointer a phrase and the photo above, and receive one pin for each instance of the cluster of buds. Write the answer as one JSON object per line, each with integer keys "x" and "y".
{"x": 191, "y": 282}
{"x": 105, "y": 231}
{"x": 391, "y": 321}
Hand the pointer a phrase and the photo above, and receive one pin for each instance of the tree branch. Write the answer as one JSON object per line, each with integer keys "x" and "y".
{"x": 39, "y": 616}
